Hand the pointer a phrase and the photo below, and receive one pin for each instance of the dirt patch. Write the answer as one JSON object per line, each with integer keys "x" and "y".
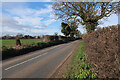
{"x": 62, "y": 69}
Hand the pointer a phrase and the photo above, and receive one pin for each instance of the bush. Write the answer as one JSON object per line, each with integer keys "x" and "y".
{"x": 102, "y": 51}
{"x": 56, "y": 38}
{"x": 50, "y": 38}
{"x": 62, "y": 37}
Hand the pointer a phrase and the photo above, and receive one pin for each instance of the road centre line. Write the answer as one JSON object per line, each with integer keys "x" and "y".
{"x": 25, "y": 61}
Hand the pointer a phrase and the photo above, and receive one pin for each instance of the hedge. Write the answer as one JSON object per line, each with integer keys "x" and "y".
{"x": 102, "y": 47}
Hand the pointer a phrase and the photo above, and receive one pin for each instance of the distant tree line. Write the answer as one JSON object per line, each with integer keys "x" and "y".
{"x": 21, "y": 36}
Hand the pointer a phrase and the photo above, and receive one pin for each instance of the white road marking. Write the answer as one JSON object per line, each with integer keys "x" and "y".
{"x": 25, "y": 61}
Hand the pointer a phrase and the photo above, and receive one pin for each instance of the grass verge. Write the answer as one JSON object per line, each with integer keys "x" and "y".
{"x": 78, "y": 68}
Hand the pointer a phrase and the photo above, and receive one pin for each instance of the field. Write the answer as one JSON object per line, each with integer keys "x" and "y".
{"x": 11, "y": 42}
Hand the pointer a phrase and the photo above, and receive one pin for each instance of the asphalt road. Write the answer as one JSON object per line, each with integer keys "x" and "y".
{"x": 37, "y": 64}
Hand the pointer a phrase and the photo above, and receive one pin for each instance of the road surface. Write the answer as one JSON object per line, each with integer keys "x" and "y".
{"x": 37, "y": 64}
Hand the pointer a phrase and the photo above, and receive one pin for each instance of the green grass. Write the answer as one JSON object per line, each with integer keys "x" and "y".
{"x": 11, "y": 42}
{"x": 78, "y": 68}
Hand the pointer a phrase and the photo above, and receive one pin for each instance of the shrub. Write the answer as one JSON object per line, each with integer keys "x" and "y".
{"x": 4, "y": 48}
{"x": 102, "y": 51}
{"x": 56, "y": 38}
{"x": 50, "y": 38}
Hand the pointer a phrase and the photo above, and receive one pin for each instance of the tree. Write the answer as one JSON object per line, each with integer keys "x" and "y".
{"x": 78, "y": 34}
{"x": 6, "y": 36}
{"x": 55, "y": 33}
{"x": 65, "y": 29}
{"x": 73, "y": 26}
{"x": 69, "y": 28}
{"x": 19, "y": 35}
{"x": 28, "y": 37}
{"x": 86, "y": 13}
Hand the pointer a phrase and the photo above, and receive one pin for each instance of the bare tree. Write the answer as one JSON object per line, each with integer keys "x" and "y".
{"x": 86, "y": 13}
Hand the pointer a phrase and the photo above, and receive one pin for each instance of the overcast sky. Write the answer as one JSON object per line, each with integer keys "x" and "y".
{"x": 35, "y": 18}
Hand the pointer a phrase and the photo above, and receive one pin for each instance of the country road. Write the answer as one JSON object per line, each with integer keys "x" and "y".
{"x": 38, "y": 64}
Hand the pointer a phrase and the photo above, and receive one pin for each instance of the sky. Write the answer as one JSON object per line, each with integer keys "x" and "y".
{"x": 29, "y": 18}
{"x": 36, "y": 18}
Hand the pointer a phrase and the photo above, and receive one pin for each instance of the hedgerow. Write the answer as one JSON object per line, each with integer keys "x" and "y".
{"x": 102, "y": 48}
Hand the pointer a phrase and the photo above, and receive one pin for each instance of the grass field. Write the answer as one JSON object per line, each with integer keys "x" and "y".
{"x": 11, "y": 42}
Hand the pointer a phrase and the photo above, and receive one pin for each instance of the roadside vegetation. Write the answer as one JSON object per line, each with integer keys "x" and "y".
{"x": 97, "y": 56}
{"x": 78, "y": 68}
{"x": 8, "y": 52}
{"x": 102, "y": 48}
{"x": 100, "y": 45}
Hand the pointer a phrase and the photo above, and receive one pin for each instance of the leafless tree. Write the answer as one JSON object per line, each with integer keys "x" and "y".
{"x": 86, "y": 13}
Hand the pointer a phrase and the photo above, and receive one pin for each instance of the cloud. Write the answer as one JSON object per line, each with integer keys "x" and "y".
{"x": 0, "y": 18}
{"x": 28, "y": 16}
{"x": 24, "y": 10}
{"x": 53, "y": 0}
{"x": 43, "y": 11}
{"x": 22, "y": 18}
{"x": 26, "y": 0}
{"x": 11, "y": 27}
{"x": 42, "y": 31}
{"x": 9, "y": 22}
{"x": 28, "y": 20}
{"x": 49, "y": 21}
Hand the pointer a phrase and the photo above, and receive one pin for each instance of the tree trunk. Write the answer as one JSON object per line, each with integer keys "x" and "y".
{"x": 90, "y": 27}
{"x": 18, "y": 43}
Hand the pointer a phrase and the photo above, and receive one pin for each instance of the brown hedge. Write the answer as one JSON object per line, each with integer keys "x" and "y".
{"x": 102, "y": 48}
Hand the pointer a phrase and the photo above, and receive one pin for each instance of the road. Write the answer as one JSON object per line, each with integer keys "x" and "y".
{"x": 38, "y": 64}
